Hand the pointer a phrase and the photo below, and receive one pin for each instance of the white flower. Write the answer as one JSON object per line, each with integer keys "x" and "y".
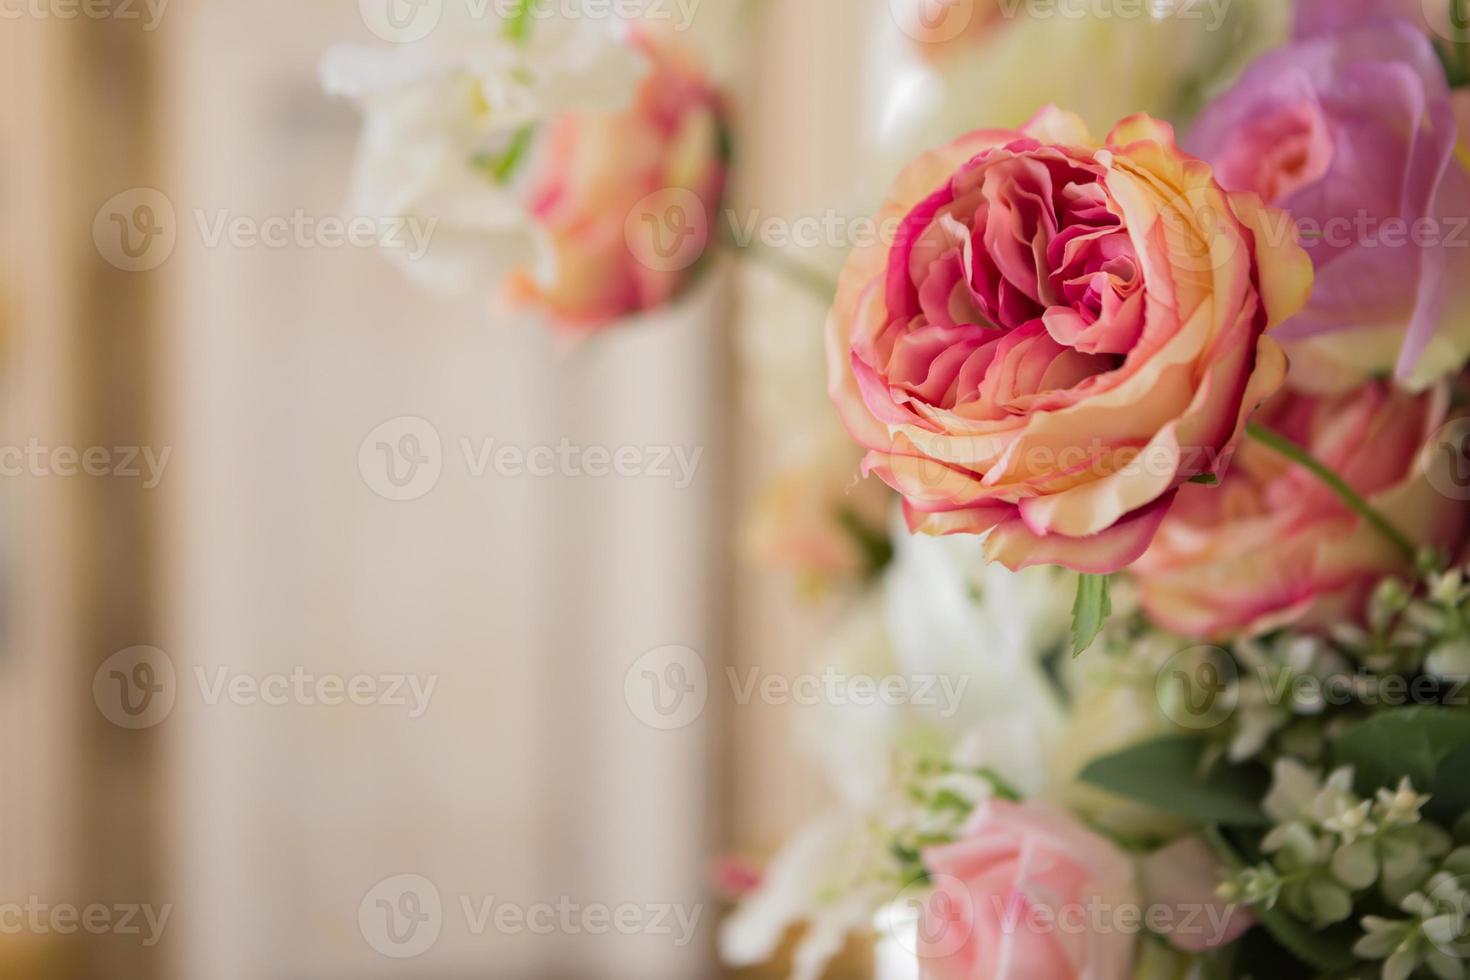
{"x": 832, "y": 876}
{"x": 442, "y": 116}
{"x": 981, "y": 629}
{"x": 1297, "y": 792}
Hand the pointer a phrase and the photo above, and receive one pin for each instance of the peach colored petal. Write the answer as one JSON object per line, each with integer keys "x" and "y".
{"x": 1141, "y": 128}
{"x": 1015, "y": 546}
{"x": 1284, "y": 267}
{"x": 1054, "y": 125}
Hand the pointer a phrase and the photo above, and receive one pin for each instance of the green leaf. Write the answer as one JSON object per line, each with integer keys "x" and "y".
{"x": 1412, "y": 742}
{"x": 1206, "y": 479}
{"x": 1090, "y": 611}
{"x": 1325, "y": 951}
{"x": 1168, "y": 774}
{"x": 1450, "y": 791}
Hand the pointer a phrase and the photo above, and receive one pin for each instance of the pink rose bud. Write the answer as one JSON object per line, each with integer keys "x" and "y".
{"x": 1029, "y": 893}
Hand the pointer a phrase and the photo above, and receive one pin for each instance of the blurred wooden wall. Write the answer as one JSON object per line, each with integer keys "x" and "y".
{"x": 78, "y": 795}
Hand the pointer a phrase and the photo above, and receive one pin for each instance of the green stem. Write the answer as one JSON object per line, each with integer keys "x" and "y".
{"x": 817, "y": 283}
{"x": 1339, "y": 486}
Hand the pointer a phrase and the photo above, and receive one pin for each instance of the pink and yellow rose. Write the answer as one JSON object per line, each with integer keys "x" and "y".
{"x": 1063, "y": 333}
{"x": 1273, "y": 545}
{"x": 601, "y": 174}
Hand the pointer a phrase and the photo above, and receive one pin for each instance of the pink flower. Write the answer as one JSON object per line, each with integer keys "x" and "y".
{"x": 1062, "y": 334}
{"x": 1353, "y": 133}
{"x": 1182, "y": 878}
{"x": 1317, "y": 17}
{"x": 1028, "y": 894}
{"x": 628, "y": 200}
{"x": 1272, "y": 545}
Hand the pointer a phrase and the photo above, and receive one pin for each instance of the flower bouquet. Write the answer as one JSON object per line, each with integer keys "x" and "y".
{"x": 1173, "y": 425}
{"x": 1176, "y": 424}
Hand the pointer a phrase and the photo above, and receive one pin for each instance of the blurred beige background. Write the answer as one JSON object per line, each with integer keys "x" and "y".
{"x": 266, "y": 548}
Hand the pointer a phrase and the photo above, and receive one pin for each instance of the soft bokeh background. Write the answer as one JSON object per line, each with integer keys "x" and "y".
{"x": 267, "y": 546}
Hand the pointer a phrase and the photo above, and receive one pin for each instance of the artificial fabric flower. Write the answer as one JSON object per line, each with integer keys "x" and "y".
{"x": 1353, "y": 133}
{"x": 1319, "y": 17}
{"x": 446, "y": 123}
{"x": 1026, "y": 893}
{"x": 627, "y": 202}
{"x": 1002, "y": 65}
{"x": 1273, "y": 545}
{"x": 819, "y": 518}
{"x": 528, "y": 148}
{"x": 1063, "y": 333}
{"x": 1184, "y": 877}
